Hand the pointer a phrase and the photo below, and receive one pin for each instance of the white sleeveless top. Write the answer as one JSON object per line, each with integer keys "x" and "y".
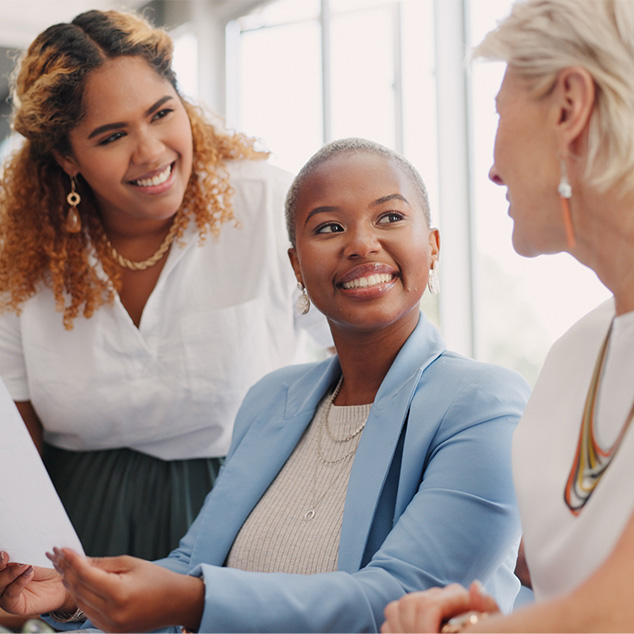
{"x": 563, "y": 549}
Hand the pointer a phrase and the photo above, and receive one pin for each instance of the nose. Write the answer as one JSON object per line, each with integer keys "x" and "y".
{"x": 148, "y": 148}
{"x": 494, "y": 176}
{"x": 361, "y": 243}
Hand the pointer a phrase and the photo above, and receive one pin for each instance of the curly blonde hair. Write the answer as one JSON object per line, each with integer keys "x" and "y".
{"x": 47, "y": 91}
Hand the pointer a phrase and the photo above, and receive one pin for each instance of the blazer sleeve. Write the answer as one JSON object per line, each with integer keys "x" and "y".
{"x": 460, "y": 523}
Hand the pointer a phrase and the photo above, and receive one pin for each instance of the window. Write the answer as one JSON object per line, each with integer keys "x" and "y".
{"x": 522, "y": 305}
{"x": 310, "y": 72}
{"x": 393, "y": 71}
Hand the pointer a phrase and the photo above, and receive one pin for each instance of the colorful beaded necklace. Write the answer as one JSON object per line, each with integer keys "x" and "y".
{"x": 591, "y": 461}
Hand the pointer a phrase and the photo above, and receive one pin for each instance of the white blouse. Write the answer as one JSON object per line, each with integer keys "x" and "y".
{"x": 220, "y": 317}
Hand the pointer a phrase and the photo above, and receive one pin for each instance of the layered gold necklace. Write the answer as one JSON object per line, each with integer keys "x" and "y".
{"x": 591, "y": 461}
{"x": 153, "y": 259}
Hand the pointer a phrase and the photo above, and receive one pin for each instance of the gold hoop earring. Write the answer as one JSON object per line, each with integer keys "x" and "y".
{"x": 72, "y": 224}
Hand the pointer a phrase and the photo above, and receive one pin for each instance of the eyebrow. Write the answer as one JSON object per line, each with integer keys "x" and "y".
{"x": 374, "y": 203}
{"x": 320, "y": 210}
{"x": 120, "y": 124}
{"x": 386, "y": 199}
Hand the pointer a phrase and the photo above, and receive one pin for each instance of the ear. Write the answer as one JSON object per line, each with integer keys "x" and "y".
{"x": 434, "y": 243}
{"x": 574, "y": 93}
{"x": 292, "y": 256}
{"x": 67, "y": 163}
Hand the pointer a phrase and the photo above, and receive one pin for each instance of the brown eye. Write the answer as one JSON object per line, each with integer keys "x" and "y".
{"x": 390, "y": 217}
{"x": 162, "y": 113}
{"x": 329, "y": 227}
{"x": 111, "y": 138}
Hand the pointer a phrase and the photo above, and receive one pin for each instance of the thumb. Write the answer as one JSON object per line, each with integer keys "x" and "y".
{"x": 481, "y": 601}
{"x": 111, "y": 564}
{"x": 84, "y": 565}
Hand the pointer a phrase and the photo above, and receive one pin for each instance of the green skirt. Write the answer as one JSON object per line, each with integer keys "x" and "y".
{"x": 123, "y": 502}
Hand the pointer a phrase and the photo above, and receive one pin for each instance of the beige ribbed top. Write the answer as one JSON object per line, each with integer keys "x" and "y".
{"x": 276, "y": 537}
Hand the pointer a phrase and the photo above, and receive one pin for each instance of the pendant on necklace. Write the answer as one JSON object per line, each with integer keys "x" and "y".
{"x": 310, "y": 513}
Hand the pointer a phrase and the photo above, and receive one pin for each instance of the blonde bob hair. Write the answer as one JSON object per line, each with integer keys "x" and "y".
{"x": 542, "y": 37}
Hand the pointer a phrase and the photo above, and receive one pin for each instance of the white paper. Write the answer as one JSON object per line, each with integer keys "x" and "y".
{"x": 32, "y": 518}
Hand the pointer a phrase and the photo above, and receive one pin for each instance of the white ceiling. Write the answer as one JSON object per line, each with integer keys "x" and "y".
{"x": 22, "y": 20}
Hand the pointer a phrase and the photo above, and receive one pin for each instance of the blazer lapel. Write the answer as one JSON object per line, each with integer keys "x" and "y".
{"x": 380, "y": 438}
{"x": 266, "y": 447}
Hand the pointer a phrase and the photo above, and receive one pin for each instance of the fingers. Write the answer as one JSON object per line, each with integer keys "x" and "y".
{"x": 426, "y": 611}
{"x": 404, "y": 615}
{"x": 78, "y": 577}
{"x": 13, "y": 578}
{"x": 94, "y": 583}
{"x": 480, "y": 600}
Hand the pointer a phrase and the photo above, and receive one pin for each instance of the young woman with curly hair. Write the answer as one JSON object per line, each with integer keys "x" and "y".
{"x": 128, "y": 334}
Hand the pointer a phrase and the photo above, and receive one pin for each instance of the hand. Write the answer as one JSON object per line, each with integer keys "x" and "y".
{"x": 125, "y": 594}
{"x": 427, "y": 611}
{"x": 26, "y": 590}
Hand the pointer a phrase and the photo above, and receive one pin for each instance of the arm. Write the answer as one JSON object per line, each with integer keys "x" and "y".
{"x": 126, "y": 594}
{"x": 467, "y": 475}
{"x": 602, "y": 603}
{"x": 521, "y": 568}
{"x": 32, "y": 423}
{"x": 14, "y": 374}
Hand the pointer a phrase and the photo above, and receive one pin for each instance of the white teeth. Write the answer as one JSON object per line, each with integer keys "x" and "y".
{"x": 157, "y": 180}
{"x": 370, "y": 280}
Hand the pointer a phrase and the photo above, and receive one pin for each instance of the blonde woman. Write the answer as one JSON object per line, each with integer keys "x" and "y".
{"x": 565, "y": 152}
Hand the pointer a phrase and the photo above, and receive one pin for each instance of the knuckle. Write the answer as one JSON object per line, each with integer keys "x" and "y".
{"x": 455, "y": 587}
{"x": 391, "y": 609}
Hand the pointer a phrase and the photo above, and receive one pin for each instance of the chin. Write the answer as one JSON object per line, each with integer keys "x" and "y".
{"x": 523, "y": 248}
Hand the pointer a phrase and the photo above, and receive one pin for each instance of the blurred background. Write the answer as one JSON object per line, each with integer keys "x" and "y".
{"x": 299, "y": 73}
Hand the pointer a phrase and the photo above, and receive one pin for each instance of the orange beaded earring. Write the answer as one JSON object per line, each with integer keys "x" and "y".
{"x": 73, "y": 220}
{"x": 565, "y": 192}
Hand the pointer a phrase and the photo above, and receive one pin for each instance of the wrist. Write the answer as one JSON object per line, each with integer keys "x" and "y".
{"x": 68, "y": 616}
{"x": 69, "y": 604}
{"x": 192, "y": 602}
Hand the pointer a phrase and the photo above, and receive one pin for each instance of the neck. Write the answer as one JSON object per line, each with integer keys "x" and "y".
{"x": 366, "y": 357}
{"x": 139, "y": 250}
{"x": 604, "y": 232}
{"x": 125, "y": 228}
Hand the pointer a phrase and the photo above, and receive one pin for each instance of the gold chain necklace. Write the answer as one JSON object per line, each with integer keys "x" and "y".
{"x": 152, "y": 260}
{"x": 591, "y": 461}
{"x": 329, "y": 431}
{"x": 311, "y": 512}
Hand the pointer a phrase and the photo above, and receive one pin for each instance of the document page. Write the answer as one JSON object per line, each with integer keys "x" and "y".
{"x": 32, "y": 518}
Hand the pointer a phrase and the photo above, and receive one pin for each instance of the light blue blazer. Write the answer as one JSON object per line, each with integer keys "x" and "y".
{"x": 430, "y": 498}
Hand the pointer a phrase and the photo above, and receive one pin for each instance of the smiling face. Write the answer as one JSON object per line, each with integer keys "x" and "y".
{"x": 525, "y": 161}
{"x": 363, "y": 247}
{"x": 134, "y": 144}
